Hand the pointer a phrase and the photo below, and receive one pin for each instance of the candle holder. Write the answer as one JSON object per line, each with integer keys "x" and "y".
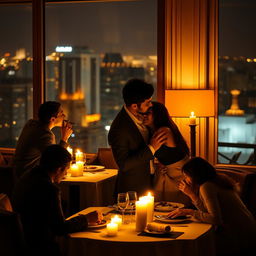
{"x": 193, "y": 139}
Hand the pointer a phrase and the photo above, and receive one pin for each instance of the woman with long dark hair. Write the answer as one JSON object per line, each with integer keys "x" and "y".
{"x": 171, "y": 156}
{"x": 218, "y": 203}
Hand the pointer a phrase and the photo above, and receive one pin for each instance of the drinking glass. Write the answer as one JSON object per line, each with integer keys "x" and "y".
{"x": 122, "y": 203}
{"x": 132, "y": 200}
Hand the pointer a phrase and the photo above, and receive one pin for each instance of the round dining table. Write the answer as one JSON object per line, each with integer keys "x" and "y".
{"x": 193, "y": 239}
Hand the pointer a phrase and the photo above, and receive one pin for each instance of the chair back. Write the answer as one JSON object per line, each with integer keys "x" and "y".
{"x": 5, "y": 203}
{"x": 246, "y": 181}
{"x": 106, "y": 158}
{"x": 12, "y": 241}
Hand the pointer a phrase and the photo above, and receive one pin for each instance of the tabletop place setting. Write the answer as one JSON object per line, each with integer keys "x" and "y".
{"x": 142, "y": 215}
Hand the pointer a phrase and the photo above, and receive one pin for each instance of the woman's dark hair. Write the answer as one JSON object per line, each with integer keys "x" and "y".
{"x": 201, "y": 171}
{"x": 162, "y": 118}
{"x": 47, "y": 110}
{"x": 136, "y": 91}
{"x": 54, "y": 157}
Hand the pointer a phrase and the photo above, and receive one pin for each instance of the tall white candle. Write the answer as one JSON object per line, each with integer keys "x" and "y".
{"x": 112, "y": 229}
{"x": 141, "y": 215}
{"x": 192, "y": 119}
{"x": 150, "y": 207}
{"x": 80, "y": 165}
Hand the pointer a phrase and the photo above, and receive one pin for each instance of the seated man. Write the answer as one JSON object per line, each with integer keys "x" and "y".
{"x": 37, "y": 135}
{"x": 37, "y": 199}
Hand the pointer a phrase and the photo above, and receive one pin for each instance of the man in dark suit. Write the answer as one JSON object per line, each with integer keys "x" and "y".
{"x": 37, "y": 199}
{"x": 129, "y": 139}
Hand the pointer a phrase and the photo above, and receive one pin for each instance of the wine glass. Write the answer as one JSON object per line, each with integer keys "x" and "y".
{"x": 122, "y": 202}
{"x": 132, "y": 200}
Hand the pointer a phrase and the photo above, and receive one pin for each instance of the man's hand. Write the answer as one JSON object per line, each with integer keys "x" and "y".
{"x": 94, "y": 218}
{"x": 66, "y": 130}
{"x": 158, "y": 140}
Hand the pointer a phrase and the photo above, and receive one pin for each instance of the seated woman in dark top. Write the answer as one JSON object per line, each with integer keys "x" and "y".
{"x": 37, "y": 199}
{"x": 171, "y": 156}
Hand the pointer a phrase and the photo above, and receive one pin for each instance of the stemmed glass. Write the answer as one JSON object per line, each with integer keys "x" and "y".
{"x": 122, "y": 202}
{"x": 132, "y": 200}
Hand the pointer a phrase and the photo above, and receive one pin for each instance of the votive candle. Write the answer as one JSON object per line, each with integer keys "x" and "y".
{"x": 112, "y": 229}
{"x": 192, "y": 119}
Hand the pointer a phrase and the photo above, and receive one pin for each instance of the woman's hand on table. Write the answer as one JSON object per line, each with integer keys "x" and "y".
{"x": 180, "y": 212}
{"x": 94, "y": 217}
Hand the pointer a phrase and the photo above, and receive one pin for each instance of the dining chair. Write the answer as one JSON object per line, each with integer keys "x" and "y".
{"x": 12, "y": 241}
{"x": 105, "y": 157}
{"x": 5, "y": 203}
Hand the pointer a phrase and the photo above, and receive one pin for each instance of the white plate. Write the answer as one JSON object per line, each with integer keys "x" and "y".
{"x": 93, "y": 168}
{"x": 163, "y": 219}
{"x": 167, "y": 206}
{"x": 101, "y": 225}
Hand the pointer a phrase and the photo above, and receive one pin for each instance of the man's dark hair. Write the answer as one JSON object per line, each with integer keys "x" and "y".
{"x": 47, "y": 110}
{"x": 136, "y": 91}
{"x": 54, "y": 157}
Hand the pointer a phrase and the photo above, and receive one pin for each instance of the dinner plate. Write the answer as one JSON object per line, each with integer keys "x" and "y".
{"x": 164, "y": 219}
{"x": 167, "y": 206}
{"x": 100, "y": 225}
{"x": 93, "y": 168}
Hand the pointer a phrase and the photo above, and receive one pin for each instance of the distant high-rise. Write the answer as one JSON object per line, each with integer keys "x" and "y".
{"x": 79, "y": 79}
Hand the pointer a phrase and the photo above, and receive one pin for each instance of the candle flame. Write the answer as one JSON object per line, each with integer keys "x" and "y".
{"x": 78, "y": 151}
{"x": 149, "y": 194}
{"x": 192, "y": 114}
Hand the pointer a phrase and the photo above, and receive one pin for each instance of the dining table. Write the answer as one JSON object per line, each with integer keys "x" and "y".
{"x": 189, "y": 238}
{"x": 94, "y": 188}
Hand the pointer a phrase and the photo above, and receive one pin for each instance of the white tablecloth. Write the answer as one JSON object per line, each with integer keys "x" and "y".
{"x": 92, "y": 189}
{"x": 197, "y": 240}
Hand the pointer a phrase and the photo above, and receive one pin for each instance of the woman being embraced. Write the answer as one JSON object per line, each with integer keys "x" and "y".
{"x": 171, "y": 156}
{"x": 218, "y": 203}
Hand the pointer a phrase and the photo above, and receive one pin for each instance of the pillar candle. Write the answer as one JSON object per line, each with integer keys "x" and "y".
{"x": 117, "y": 220}
{"x": 80, "y": 165}
{"x": 150, "y": 207}
{"x": 74, "y": 171}
{"x": 141, "y": 215}
{"x": 70, "y": 150}
{"x": 192, "y": 119}
{"x": 79, "y": 156}
{"x": 112, "y": 229}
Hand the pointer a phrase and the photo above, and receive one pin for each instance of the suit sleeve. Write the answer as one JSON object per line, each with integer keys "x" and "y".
{"x": 58, "y": 224}
{"x": 126, "y": 157}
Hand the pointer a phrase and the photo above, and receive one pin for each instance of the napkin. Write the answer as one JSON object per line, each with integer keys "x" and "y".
{"x": 173, "y": 234}
{"x": 152, "y": 226}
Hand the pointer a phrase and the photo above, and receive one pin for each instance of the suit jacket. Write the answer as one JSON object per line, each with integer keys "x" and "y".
{"x": 34, "y": 138}
{"x": 37, "y": 200}
{"x": 131, "y": 154}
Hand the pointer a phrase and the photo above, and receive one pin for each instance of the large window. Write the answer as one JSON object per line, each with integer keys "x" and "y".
{"x": 15, "y": 71}
{"x": 92, "y": 50}
{"x": 237, "y": 82}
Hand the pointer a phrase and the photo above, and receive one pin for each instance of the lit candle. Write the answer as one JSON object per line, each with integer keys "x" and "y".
{"x": 74, "y": 171}
{"x": 192, "y": 119}
{"x": 79, "y": 156}
{"x": 70, "y": 150}
{"x": 112, "y": 229}
{"x": 150, "y": 206}
{"x": 80, "y": 165}
{"x": 117, "y": 220}
{"x": 141, "y": 214}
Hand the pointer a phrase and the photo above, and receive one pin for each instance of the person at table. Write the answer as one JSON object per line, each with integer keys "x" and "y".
{"x": 37, "y": 199}
{"x": 218, "y": 203}
{"x": 37, "y": 135}
{"x": 171, "y": 155}
{"x": 129, "y": 139}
